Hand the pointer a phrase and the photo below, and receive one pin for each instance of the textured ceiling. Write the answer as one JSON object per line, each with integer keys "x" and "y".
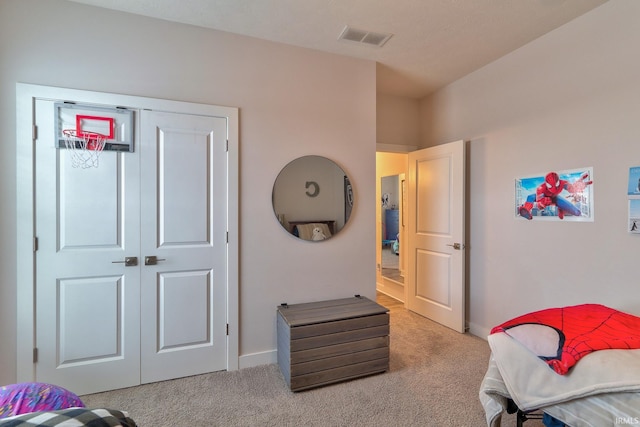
{"x": 435, "y": 42}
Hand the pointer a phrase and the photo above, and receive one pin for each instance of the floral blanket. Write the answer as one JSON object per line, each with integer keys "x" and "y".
{"x": 22, "y": 398}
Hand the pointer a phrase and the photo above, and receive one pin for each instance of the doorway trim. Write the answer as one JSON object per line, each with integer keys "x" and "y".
{"x": 393, "y": 148}
{"x": 26, "y": 135}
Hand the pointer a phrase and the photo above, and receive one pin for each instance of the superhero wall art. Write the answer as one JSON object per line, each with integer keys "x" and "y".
{"x": 556, "y": 195}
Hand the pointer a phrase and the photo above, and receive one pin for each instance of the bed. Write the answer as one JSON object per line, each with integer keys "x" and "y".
{"x": 304, "y": 229}
{"x": 593, "y": 380}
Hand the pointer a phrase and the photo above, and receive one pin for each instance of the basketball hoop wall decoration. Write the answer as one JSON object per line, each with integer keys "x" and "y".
{"x": 87, "y": 131}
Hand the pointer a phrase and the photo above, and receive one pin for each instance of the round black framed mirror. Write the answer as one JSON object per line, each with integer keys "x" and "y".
{"x": 312, "y": 198}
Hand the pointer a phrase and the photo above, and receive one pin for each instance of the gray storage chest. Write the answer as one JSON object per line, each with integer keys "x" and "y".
{"x": 325, "y": 342}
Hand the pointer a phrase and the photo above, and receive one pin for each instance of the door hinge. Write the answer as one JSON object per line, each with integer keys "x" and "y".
{"x": 34, "y": 132}
{"x": 227, "y": 146}
{"x": 227, "y": 329}
{"x": 35, "y": 355}
{"x": 227, "y": 237}
{"x": 35, "y": 244}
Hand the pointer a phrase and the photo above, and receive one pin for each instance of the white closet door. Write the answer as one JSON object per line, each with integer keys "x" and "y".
{"x": 87, "y": 300}
{"x": 102, "y": 324}
{"x": 184, "y": 225}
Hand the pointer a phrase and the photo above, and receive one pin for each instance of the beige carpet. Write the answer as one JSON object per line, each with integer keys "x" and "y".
{"x": 434, "y": 378}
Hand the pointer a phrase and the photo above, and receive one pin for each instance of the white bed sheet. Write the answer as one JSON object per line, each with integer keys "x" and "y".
{"x": 602, "y": 389}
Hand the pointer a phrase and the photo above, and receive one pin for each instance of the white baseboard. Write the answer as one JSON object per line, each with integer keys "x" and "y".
{"x": 479, "y": 331}
{"x": 391, "y": 288}
{"x": 257, "y": 359}
{"x": 271, "y": 356}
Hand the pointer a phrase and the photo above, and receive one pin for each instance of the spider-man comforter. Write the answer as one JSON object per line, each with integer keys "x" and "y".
{"x": 562, "y": 336}
{"x": 601, "y": 390}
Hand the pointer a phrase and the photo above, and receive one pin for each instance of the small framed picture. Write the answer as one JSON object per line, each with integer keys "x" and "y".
{"x": 634, "y": 216}
{"x": 633, "y": 188}
{"x": 633, "y": 192}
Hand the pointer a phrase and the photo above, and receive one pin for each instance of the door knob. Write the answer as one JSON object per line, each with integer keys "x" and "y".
{"x": 152, "y": 260}
{"x": 129, "y": 261}
{"x": 456, "y": 246}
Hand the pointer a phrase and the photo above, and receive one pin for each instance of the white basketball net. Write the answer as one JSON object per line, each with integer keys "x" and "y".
{"x": 85, "y": 149}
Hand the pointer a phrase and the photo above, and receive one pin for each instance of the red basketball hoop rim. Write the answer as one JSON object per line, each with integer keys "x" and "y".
{"x": 84, "y": 141}
{"x": 90, "y": 136}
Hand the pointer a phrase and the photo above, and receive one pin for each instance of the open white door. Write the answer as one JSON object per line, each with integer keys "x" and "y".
{"x": 435, "y": 234}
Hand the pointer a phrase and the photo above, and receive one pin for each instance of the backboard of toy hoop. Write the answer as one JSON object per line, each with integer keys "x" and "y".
{"x": 114, "y": 123}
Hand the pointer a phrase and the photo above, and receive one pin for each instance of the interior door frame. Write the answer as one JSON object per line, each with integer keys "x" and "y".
{"x": 405, "y": 149}
{"x": 393, "y": 290}
{"x": 454, "y": 154}
{"x": 26, "y": 135}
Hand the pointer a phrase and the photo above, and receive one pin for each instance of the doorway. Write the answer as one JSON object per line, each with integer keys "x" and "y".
{"x": 434, "y": 236}
{"x": 393, "y": 222}
{"x": 390, "y": 220}
{"x": 117, "y": 288}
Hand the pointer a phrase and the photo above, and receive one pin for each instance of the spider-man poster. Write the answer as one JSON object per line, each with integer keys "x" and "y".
{"x": 556, "y": 195}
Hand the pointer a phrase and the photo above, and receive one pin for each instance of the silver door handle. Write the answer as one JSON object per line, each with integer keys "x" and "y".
{"x": 129, "y": 261}
{"x": 456, "y": 246}
{"x": 152, "y": 260}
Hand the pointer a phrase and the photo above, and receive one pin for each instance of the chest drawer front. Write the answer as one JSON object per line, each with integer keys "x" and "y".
{"x": 327, "y": 328}
{"x": 340, "y": 349}
{"x": 343, "y": 373}
{"x": 338, "y": 338}
{"x": 351, "y": 358}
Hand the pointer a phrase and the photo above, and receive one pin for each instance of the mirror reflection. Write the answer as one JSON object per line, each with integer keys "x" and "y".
{"x": 312, "y": 198}
{"x": 392, "y": 190}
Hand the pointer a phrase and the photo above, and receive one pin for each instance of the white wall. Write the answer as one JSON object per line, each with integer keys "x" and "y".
{"x": 567, "y": 100}
{"x": 292, "y": 102}
{"x": 397, "y": 120}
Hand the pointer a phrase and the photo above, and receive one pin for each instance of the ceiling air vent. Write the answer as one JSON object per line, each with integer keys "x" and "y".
{"x": 364, "y": 37}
